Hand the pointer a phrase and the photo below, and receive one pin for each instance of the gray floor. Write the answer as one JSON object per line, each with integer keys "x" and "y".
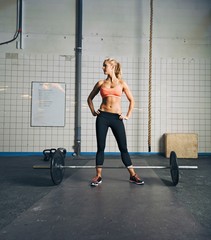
{"x": 31, "y": 207}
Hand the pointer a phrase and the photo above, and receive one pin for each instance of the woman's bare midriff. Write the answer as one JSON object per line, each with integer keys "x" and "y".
{"x": 111, "y": 104}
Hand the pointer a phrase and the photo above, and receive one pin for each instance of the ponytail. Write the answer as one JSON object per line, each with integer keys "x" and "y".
{"x": 117, "y": 67}
{"x": 118, "y": 70}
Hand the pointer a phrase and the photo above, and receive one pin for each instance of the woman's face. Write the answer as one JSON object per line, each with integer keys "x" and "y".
{"x": 107, "y": 68}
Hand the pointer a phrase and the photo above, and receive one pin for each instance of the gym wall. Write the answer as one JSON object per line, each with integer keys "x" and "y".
{"x": 181, "y": 69}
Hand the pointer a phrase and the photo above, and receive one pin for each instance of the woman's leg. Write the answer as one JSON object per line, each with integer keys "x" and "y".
{"x": 120, "y": 135}
{"x": 99, "y": 171}
{"x": 118, "y": 130}
{"x": 101, "y": 132}
{"x": 131, "y": 171}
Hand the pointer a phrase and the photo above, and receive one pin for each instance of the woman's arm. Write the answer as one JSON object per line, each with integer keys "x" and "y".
{"x": 91, "y": 96}
{"x": 130, "y": 98}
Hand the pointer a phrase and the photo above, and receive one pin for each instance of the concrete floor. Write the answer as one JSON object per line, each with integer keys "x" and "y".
{"x": 32, "y": 208}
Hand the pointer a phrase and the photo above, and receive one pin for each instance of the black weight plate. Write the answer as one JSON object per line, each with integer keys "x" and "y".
{"x": 63, "y": 150}
{"x": 174, "y": 169}
{"x": 57, "y": 173}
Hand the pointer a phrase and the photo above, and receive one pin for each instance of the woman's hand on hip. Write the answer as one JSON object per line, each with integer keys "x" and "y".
{"x": 95, "y": 113}
{"x": 122, "y": 117}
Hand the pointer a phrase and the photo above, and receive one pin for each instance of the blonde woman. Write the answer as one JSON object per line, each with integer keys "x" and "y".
{"x": 110, "y": 115}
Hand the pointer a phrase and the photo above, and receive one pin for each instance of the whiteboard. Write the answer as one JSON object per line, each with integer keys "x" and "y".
{"x": 48, "y": 104}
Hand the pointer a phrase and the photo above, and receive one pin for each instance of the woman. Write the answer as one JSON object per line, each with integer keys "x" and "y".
{"x": 110, "y": 115}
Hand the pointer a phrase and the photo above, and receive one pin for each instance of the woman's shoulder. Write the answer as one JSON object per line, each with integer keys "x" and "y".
{"x": 122, "y": 82}
{"x": 100, "y": 82}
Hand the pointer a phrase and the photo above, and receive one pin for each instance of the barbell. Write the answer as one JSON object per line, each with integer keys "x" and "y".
{"x": 57, "y": 165}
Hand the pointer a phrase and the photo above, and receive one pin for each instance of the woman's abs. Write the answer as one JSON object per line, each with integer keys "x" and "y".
{"x": 111, "y": 104}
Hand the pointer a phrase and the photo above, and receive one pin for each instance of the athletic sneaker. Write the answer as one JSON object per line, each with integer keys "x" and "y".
{"x": 96, "y": 181}
{"x": 135, "y": 179}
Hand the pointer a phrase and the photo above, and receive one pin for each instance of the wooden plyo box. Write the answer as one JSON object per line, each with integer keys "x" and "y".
{"x": 184, "y": 144}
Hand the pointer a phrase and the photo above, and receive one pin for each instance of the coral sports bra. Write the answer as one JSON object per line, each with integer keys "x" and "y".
{"x": 114, "y": 92}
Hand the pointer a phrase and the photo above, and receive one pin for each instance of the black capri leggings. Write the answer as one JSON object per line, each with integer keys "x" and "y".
{"x": 103, "y": 122}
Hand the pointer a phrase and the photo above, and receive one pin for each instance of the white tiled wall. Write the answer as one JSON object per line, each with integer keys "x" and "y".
{"x": 181, "y": 101}
{"x": 17, "y": 73}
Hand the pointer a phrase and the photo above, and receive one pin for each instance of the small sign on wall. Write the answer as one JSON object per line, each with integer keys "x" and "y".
{"x": 48, "y": 104}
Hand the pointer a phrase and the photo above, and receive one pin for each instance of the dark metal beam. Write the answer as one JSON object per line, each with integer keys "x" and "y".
{"x": 78, "y": 54}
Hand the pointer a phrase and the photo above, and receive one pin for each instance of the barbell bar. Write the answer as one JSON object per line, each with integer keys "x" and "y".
{"x": 57, "y": 166}
{"x": 109, "y": 167}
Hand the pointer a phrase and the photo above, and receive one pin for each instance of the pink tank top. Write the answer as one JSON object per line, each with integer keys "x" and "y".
{"x": 114, "y": 92}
